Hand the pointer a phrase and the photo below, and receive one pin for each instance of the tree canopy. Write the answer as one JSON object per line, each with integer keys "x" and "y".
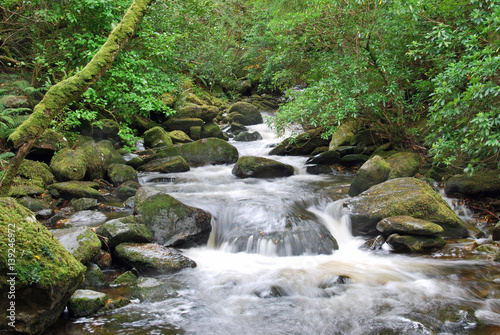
{"x": 414, "y": 71}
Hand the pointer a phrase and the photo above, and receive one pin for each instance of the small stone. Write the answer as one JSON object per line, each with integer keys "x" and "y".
{"x": 86, "y": 302}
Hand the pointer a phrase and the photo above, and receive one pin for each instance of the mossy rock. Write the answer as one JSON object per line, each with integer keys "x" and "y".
{"x": 125, "y": 279}
{"x": 403, "y": 164}
{"x": 98, "y": 157}
{"x": 94, "y": 277}
{"x": 194, "y": 99}
{"x": 353, "y": 160}
{"x": 407, "y": 225}
{"x": 237, "y": 128}
{"x": 157, "y": 137}
{"x": 183, "y": 124}
{"x": 126, "y": 190}
{"x": 166, "y": 165}
{"x": 167, "y": 99}
{"x": 18, "y": 191}
{"x": 324, "y": 158}
{"x": 246, "y": 136}
{"x": 245, "y": 114}
{"x": 120, "y": 173}
{"x": 211, "y": 129}
{"x": 81, "y": 242}
{"x": 38, "y": 172}
{"x": 172, "y": 222}
{"x": 411, "y": 243}
{"x": 82, "y": 204}
{"x": 344, "y": 135}
{"x": 484, "y": 183}
{"x": 302, "y": 145}
{"x": 402, "y": 197}
{"x": 209, "y": 151}
{"x": 108, "y": 129}
{"x": 68, "y": 165}
{"x": 51, "y": 140}
{"x": 150, "y": 257}
{"x": 205, "y": 112}
{"x": 142, "y": 123}
{"x": 33, "y": 204}
{"x": 123, "y": 230}
{"x": 195, "y": 132}
{"x": 373, "y": 172}
{"x": 47, "y": 274}
{"x": 261, "y": 167}
{"x": 76, "y": 189}
{"x": 178, "y": 136}
{"x": 152, "y": 290}
{"x": 86, "y": 303}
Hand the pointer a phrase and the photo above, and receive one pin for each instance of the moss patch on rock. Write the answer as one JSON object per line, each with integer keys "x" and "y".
{"x": 69, "y": 164}
{"x": 261, "y": 167}
{"x": 403, "y": 164}
{"x": 47, "y": 274}
{"x": 485, "y": 183}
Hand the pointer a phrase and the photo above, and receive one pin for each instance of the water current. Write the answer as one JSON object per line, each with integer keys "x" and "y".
{"x": 241, "y": 285}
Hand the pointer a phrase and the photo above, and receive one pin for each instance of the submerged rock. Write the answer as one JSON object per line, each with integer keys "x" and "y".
{"x": 81, "y": 242}
{"x": 150, "y": 257}
{"x": 172, "y": 222}
{"x": 86, "y": 302}
{"x": 373, "y": 172}
{"x": 402, "y": 196}
{"x": 260, "y": 167}
{"x": 47, "y": 274}
{"x": 152, "y": 289}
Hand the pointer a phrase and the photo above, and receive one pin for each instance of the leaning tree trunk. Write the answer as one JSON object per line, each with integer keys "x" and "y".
{"x": 68, "y": 90}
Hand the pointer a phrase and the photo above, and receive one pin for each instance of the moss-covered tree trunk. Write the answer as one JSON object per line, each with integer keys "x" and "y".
{"x": 68, "y": 90}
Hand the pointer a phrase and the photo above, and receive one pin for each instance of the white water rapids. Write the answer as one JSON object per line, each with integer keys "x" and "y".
{"x": 254, "y": 292}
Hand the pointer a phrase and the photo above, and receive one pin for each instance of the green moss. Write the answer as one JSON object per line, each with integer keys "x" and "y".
{"x": 40, "y": 258}
{"x": 403, "y": 164}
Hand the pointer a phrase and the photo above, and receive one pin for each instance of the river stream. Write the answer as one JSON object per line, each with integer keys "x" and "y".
{"x": 241, "y": 286}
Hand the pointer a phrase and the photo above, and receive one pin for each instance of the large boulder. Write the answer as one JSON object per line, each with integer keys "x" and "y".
{"x": 150, "y": 257}
{"x": 373, "y": 172}
{"x": 178, "y": 136}
{"x": 166, "y": 165}
{"x": 81, "y": 242}
{"x": 485, "y": 183}
{"x": 205, "y": 112}
{"x": 171, "y": 222}
{"x": 157, "y": 137}
{"x": 402, "y": 196}
{"x": 68, "y": 165}
{"x": 260, "y": 167}
{"x": 325, "y": 158}
{"x": 245, "y": 113}
{"x": 302, "y": 145}
{"x": 125, "y": 229}
{"x": 205, "y": 152}
{"x": 98, "y": 157}
{"x": 47, "y": 274}
{"x": 403, "y": 164}
{"x": 246, "y": 136}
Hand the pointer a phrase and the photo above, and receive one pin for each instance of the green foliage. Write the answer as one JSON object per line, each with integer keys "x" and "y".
{"x": 463, "y": 47}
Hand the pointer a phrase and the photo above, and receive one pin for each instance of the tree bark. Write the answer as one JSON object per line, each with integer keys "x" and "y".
{"x": 68, "y": 90}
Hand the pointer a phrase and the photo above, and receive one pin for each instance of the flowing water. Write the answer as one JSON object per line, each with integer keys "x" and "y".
{"x": 258, "y": 276}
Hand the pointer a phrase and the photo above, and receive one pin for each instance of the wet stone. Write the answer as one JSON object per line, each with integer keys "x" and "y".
{"x": 86, "y": 302}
